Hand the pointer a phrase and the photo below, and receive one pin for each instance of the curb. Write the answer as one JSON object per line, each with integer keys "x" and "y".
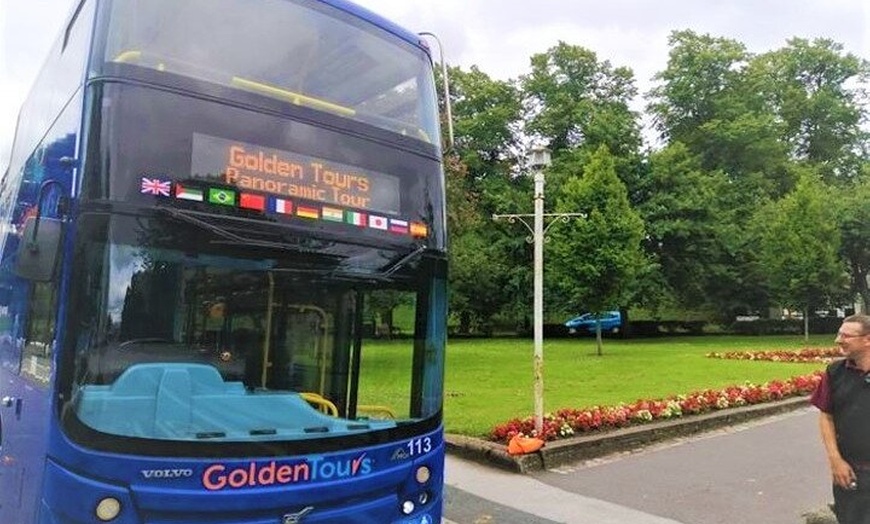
{"x": 588, "y": 446}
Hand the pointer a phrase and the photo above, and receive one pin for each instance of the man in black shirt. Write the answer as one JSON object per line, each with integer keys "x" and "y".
{"x": 843, "y": 398}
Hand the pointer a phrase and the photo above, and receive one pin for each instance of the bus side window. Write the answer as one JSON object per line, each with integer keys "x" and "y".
{"x": 36, "y": 359}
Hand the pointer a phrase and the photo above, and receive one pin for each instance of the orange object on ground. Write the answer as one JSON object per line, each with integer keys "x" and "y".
{"x": 521, "y": 445}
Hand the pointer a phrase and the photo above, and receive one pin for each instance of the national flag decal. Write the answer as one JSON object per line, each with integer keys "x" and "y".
{"x": 155, "y": 186}
{"x": 282, "y": 206}
{"x": 399, "y": 226}
{"x": 252, "y": 201}
{"x": 332, "y": 214}
{"x": 223, "y": 197}
{"x": 188, "y": 193}
{"x": 355, "y": 218}
{"x": 419, "y": 230}
{"x": 307, "y": 212}
{"x": 376, "y": 222}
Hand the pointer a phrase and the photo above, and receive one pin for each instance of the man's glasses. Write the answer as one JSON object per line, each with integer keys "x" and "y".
{"x": 849, "y": 335}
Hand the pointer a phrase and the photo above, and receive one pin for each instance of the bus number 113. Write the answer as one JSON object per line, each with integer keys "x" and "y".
{"x": 419, "y": 446}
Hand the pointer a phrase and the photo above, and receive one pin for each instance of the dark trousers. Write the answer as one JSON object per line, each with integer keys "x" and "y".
{"x": 852, "y": 506}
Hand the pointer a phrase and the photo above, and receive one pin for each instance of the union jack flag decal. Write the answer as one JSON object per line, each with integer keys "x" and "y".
{"x": 154, "y": 186}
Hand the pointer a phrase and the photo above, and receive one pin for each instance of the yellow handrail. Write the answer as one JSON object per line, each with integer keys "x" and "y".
{"x": 292, "y": 96}
{"x": 128, "y": 56}
{"x": 374, "y": 409}
{"x": 323, "y": 404}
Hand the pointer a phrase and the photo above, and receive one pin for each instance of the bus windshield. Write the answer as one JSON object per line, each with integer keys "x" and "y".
{"x": 319, "y": 56}
{"x": 185, "y": 337}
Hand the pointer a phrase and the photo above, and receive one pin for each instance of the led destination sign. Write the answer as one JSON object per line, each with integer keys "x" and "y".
{"x": 290, "y": 174}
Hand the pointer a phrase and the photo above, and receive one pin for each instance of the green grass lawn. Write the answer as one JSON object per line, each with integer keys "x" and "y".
{"x": 490, "y": 381}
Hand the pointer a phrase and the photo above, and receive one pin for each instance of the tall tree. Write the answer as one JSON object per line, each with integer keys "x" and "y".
{"x": 596, "y": 260}
{"x": 702, "y": 71}
{"x": 683, "y": 217}
{"x": 486, "y": 115}
{"x": 798, "y": 247}
{"x": 706, "y": 100}
{"x": 573, "y": 101}
{"x": 854, "y": 218}
{"x": 477, "y": 284}
{"x": 814, "y": 88}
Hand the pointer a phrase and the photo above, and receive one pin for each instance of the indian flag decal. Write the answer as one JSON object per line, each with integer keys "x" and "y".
{"x": 188, "y": 193}
{"x": 332, "y": 214}
{"x": 354, "y": 218}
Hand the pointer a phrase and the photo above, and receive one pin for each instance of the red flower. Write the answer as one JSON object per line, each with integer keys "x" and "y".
{"x": 597, "y": 418}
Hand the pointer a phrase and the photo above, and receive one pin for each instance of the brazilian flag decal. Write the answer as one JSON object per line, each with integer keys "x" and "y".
{"x": 223, "y": 197}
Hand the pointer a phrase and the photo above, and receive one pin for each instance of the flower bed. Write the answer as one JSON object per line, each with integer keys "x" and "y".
{"x": 567, "y": 422}
{"x": 810, "y": 355}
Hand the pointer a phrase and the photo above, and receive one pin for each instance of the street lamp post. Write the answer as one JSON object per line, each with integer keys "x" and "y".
{"x": 539, "y": 159}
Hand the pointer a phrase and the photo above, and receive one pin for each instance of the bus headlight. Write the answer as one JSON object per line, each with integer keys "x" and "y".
{"x": 407, "y": 507}
{"x": 108, "y": 509}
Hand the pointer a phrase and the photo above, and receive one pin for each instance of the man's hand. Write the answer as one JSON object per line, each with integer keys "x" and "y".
{"x": 842, "y": 473}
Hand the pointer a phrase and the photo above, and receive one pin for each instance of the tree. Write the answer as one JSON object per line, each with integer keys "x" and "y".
{"x": 596, "y": 260}
{"x": 486, "y": 116}
{"x": 854, "y": 213}
{"x": 683, "y": 218}
{"x": 476, "y": 284}
{"x": 381, "y": 304}
{"x": 813, "y": 88}
{"x": 798, "y": 247}
{"x": 574, "y": 101}
{"x": 708, "y": 101}
{"x": 701, "y": 72}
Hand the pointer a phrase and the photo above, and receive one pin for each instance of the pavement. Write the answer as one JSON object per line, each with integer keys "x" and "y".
{"x": 527, "y": 500}
{"x": 767, "y": 469}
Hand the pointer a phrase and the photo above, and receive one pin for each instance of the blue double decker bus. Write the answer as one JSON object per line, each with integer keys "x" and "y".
{"x": 209, "y": 206}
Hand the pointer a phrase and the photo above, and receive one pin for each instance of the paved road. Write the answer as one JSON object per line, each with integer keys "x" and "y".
{"x": 765, "y": 472}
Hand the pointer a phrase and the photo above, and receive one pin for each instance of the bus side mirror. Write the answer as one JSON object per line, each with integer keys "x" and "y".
{"x": 39, "y": 249}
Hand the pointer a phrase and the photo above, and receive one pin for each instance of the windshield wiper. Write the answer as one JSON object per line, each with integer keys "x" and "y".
{"x": 386, "y": 272}
{"x": 190, "y": 218}
{"x": 234, "y": 239}
{"x": 228, "y": 237}
{"x": 402, "y": 262}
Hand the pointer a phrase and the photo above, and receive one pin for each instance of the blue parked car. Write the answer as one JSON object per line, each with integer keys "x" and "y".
{"x": 611, "y": 322}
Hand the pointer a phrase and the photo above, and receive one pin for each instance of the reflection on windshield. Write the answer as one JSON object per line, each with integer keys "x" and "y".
{"x": 318, "y": 57}
{"x": 183, "y": 346}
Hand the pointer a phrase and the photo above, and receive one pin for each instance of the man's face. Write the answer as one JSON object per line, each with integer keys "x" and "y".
{"x": 852, "y": 340}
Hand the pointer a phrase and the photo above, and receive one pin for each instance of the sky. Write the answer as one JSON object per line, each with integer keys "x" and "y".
{"x": 500, "y": 36}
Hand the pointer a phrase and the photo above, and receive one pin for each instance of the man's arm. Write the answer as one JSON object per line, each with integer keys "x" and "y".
{"x": 841, "y": 471}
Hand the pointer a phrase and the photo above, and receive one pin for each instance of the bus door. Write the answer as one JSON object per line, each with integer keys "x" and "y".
{"x": 300, "y": 359}
{"x": 27, "y": 367}
{"x": 309, "y": 346}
